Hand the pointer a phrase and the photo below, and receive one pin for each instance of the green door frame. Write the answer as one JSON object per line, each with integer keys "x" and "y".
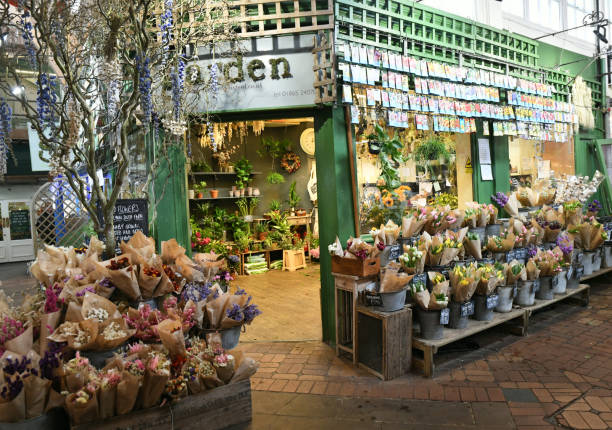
{"x": 605, "y": 190}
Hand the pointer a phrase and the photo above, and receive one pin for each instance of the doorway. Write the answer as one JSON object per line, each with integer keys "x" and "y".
{"x": 16, "y": 232}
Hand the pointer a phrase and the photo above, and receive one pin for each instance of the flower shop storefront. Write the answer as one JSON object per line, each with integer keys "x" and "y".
{"x": 252, "y": 179}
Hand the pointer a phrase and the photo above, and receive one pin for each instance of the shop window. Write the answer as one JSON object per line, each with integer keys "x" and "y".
{"x": 515, "y": 7}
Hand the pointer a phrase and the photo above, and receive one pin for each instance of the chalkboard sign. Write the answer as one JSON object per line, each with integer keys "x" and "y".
{"x": 20, "y": 224}
{"x": 130, "y": 216}
{"x": 373, "y": 299}
{"x": 394, "y": 252}
{"x": 467, "y": 309}
{"x": 444, "y": 316}
{"x": 492, "y": 301}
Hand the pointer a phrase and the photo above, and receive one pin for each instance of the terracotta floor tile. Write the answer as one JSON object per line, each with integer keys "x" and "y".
{"x": 593, "y": 420}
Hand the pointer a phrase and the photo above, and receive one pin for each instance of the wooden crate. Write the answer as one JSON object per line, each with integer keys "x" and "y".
{"x": 220, "y": 408}
{"x": 355, "y": 266}
{"x": 294, "y": 259}
{"x": 347, "y": 291}
{"x": 384, "y": 341}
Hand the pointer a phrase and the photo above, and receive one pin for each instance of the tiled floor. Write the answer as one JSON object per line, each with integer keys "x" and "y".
{"x": 559, "y": 376}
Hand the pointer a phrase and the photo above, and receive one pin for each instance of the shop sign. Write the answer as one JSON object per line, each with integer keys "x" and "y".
{"x": 258, "y": 82}
{"x": 468, "y": 166}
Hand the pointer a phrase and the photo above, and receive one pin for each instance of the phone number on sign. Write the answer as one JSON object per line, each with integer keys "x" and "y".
{"x": 293, "y": 93}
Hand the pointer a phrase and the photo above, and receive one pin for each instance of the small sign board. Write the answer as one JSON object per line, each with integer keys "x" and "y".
{"x": 555, "y": 281}
{"x": 130, "y": 216}
{"x": 467, "y": 309}
{"x": 492, "y": 301}
{"x": 444, "y": 316}
{"x": 20, "y": 224}
{"x": 394, "y": 252}
{"x": 373, "y": 299}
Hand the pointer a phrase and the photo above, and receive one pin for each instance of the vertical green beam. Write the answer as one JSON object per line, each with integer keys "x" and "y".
{"x": 334, "y": 201}
{"x": 500, "y": 157}
{"x": 172, "y": 219}
{"x": 605, "y": 190}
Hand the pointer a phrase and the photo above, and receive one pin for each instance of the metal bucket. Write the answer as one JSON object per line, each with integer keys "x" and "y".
{"x": 587, "y": 262}
{"x": 506, "y": 298}
{"x": 455, "y": 320}
{"x": 480, "y": 231}
{"x": 607, "y": 256}
{"x": 525, "y": 295}
{"x": 546, "y": 288}
{"x": 500, "y": 256}
{"x": 574, "y": 279}
{"x": 481, "y": 311}
{"x": 561, "y": 283}
{"x": 597, "y": 260}
{"x": 392, "y": 302}
{"x": 492, "y": 230}
{"x": 430, "y": 324}
{"x": 229, "y": 337}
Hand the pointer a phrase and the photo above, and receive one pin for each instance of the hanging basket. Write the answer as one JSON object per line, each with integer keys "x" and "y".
{"x": 291, "y": 162}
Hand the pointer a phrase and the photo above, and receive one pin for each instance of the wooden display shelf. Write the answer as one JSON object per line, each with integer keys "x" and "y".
{"x": 596, "y": 274}
{"x": 219, "y": 173}
{"x": 220, "y": 408}
{"x": 430, "y": 347}
{"x": 226, "y": 198}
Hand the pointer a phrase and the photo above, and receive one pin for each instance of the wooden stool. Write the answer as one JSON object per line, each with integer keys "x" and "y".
{"x": 384, "y": 341}
{"x": 347, "y": 289}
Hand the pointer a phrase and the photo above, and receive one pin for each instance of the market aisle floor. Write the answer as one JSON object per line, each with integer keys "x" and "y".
{"x": 559, "y": 376}
{"x": 290, "y": 302}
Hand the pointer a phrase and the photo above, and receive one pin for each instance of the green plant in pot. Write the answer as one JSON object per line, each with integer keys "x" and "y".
{"x": 390, "y": 157}
{"x": 243, "y": 169}
{"x": 242, "y": 240}
{"x": 199, "y": 189}
{"x": 261, "y": 230}
{"x": 430, "y": 151}
{"x": 275, "y": 207}
{"x": 275, "y": 178}
{"x": 275, "y": 149}
{"x": 294, "y": 198}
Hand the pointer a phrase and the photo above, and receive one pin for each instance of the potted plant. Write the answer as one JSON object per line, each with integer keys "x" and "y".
{"x": 243, "y": 169}
{"x": 261, "y": 231}
{"x": 242, "y": 240}
{"x": 247, "y": 208}
{"x": 275, "y": 149}
{"x": 430, "y": 152}
{"x": 274, "y": 207}
{"x": 294, "y": 199}
{"x": 390, "y": 157}
{"x": 214, "y": 193}
{"x": 199, "y": 189}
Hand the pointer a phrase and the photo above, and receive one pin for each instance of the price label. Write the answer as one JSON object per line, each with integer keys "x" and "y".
{"x": 467, "y": 309}
{"x": 444, "y": 315}
{"x": 569, "y": 273}
{"x": 373, "y": 299}
{"x": 492, "y": 301}
{"x": 511, "y": 255}
{"x": 436, "y": 186}
{"x": 394, "y": 252}
{"x": 555, "y": 281}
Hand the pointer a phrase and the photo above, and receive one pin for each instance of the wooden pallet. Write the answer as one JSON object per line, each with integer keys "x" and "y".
{"x": 223, "y": 407}
{"x": 430, "y": 347}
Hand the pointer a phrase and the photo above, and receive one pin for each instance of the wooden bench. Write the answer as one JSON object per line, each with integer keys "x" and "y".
{"x": 583, "y": 291}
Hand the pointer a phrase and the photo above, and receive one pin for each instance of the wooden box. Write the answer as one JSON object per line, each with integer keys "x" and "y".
{"x": 355, "y": 266}
{"x": 294, "y": 259}
{"x": 220, "y": 408}
{"x": 384, "y": 341}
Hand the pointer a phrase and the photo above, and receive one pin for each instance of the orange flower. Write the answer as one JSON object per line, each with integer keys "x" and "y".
{"x": 387, "y": 200}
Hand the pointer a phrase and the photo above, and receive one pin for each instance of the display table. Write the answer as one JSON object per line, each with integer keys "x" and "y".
{"x": 430, "y": 347}
{"x": 596, "y": 274}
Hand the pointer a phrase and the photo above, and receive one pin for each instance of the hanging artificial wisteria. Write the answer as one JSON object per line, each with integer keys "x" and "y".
{"x": 144, "y": 87}
{"x": 6, "y": 114}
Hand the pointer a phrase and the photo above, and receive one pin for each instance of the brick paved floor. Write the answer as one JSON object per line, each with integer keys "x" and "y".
{"x": 559, "y": 376}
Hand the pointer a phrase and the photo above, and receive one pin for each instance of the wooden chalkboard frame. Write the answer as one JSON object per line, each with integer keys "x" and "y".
{"x": 132, "y": 206}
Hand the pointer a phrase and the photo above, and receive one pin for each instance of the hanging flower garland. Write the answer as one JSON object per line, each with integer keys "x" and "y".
{"x": 26, "y": 34}
{"x": 45, "y": 100}
{"x": 6, "y": 114}
{"x": 144, "y": 87}
{"x": 291, "y": 162}
{"x": 166, "y": 29}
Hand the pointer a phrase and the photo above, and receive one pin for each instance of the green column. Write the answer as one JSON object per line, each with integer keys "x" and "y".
{"x": 334, "y": 201}
{"x": 172, "y": 220}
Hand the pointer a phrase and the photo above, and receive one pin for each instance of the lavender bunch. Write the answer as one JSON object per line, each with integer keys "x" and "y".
{"x": 51, "y": 361}
{"x": 235, "y": 312}
{"x": 594, "y": 206}
{"x": 532, "y": 251}
{"x": 197, "y": 291}
{"x": 500, "y": 199}
{"x": 6, "y": 115}
{"x": 178, "y": 80}
{"x": 564, "y": 244}
{"x": 14, "y": 373}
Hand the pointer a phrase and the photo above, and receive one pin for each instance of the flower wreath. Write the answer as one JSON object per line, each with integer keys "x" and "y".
{"x": 291, "y": 162}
